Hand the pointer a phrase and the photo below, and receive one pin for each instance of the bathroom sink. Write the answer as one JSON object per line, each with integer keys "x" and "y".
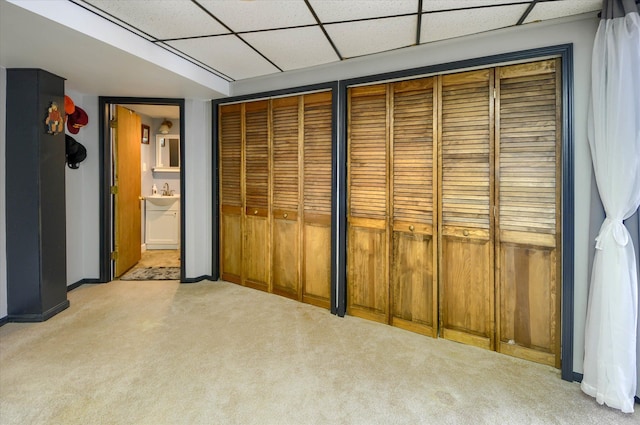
{"x": 162, "y": 200}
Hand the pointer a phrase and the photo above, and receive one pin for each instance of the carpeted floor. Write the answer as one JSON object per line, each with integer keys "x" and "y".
{"x": 218, "y": 353}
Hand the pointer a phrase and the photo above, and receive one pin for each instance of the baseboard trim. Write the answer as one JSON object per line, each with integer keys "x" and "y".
{"x": 93, "y": 280}
{"x": 39, "y": 317}
{"x": 74, "y": 285}
{"x": 82, "y": 282}
{"x": 197, "y": 279}
{"x": 4, "y": 320}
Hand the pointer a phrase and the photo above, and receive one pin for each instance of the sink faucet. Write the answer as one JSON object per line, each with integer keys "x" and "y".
{"x": 166, "y": 191}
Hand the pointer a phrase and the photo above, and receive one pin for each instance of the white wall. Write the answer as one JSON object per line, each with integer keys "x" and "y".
{"x": 3, "y": 222}
{"x": 83, "y": 199}
{"x": 148, "y": 161}
{"x": 147, "y": 157}
{"x": 198, "y": 207}
{"x": 160, "y": 178}
{"x": 578, "y": 30}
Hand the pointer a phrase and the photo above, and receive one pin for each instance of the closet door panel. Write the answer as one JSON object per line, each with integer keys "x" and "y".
{"x": 367, "y": 295}
{"x": 317, "y": 269}
{"x": 367, "y": 252}
{"x": 231, "y": 244}
{"x": 284, "y": 214}
{"x": 467, "y": 288}
{"x": 317, "y": 159}
{"x": 528, "y": 199}
{"x": 527, "y": 302}
{"x": 466, "y": 232}
{"x": 256, "y": 247}
{"x": 230, "y": 154}
{"x": 413, "y": 281}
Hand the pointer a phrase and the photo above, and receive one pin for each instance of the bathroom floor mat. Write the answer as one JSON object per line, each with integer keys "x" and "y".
{"x": 152, "y": 273}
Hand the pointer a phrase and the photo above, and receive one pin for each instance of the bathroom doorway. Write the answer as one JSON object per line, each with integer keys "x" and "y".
{"x": 152, "y": 224}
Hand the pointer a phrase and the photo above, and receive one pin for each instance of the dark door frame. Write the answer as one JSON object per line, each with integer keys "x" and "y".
{"x": 105, "y": 161}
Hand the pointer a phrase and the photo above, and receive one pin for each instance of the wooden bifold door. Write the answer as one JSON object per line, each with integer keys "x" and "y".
{"x": 391, "y": 247}
{"x": 275, "y": 195}
{"x": 454, "y": 207}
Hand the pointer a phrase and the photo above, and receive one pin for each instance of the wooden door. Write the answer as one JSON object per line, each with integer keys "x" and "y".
{"x": 414, "y": 257}
{"x": 528, "y": 144}
{"x": 466, "y": 193}
{"x": 256, "y": 242}
{"x": 368, "y": 186}
{"x": 316, "y": 259}
{"x": 286, "y": 193}
{"x": 230, "y": 154}
{"x": 127, "y": 198}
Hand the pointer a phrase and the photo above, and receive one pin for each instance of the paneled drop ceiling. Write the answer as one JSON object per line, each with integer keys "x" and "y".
{"x": 239, "y": 39}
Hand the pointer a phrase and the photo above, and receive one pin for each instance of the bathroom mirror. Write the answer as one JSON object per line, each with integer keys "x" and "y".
{"x": 167, "y": 153}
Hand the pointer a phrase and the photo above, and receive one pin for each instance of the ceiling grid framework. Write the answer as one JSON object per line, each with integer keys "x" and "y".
{"x": 241, "y": 39}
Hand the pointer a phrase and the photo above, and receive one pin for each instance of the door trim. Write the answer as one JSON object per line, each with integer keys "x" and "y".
{"x": 104, "y": 158}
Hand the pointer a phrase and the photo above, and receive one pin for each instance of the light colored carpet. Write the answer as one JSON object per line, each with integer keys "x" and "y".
{"x": 218, "y": 353}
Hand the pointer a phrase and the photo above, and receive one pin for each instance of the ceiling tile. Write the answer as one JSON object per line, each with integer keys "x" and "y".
{"x": 340, "y": 10}
{"x": 294, "y": 48}
{"x": 431, "y": 5}
{"x": 260, "y": 14}
{"x": 442, "y": 25}
{"x": 227, "y": 54}
{"x": 366, "y": 37}
{"x": 557, "y": 9}
{"x": 163, "y": 19}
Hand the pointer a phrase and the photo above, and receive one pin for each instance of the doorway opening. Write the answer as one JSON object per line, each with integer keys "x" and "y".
{"x": 142, "y": 185}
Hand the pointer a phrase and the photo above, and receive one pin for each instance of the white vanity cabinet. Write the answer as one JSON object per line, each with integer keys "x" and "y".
{"x": 162, "y": 229}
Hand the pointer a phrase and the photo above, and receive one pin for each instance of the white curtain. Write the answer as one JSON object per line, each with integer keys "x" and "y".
{"x": 614, "y": 137}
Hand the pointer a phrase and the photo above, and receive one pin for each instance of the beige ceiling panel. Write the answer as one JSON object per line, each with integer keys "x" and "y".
{"x": 431, "y": 5}
{"x": 366, "y": 37}
{"x": 227, "y": 54}
{"x": 440, "y": 26}
{"x": 163, "y": 19}
{"x": 294, "y": 48}
{"x": 260, "y": 14}
{"x": 557, "y": 9}
{"x": 342, "y": 10}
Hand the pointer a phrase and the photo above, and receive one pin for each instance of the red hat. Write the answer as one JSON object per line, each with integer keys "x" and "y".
{"x": 78, "y": 119}
{"x": 69, "y": 106}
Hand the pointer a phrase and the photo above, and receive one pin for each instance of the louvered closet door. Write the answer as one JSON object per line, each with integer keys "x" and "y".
{"x": 230, "y": 154}
{"x": 467, "y": 296}
{"x": 413, "y": 277}
{"x": 367, "y": 245}
{"x": 256, "y": 247}
{"x": 528, "y": 199}
{"x": 286, "y": 193}
{"x": 316, "y": 288}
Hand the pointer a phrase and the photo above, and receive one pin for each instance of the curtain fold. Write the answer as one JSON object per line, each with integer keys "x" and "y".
{"x": 610, "y": 369}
